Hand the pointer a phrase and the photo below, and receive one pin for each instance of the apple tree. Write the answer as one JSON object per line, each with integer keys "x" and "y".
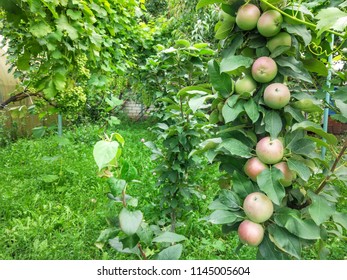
{"x": 283, "y": 192}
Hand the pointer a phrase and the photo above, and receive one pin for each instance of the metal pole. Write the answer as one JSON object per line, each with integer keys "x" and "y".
{"x": 327, "y": 94}
{"x": 60, "y": 125}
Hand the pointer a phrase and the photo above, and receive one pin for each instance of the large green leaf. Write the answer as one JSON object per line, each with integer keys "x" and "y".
{"x": 291, "y": 220}
{"x": 242, "y": 185}
{"x": 285, "y": 241}
{"x": 317, "y": 129}
{"x": 64, "y": 25}
{"x": 225, "y": 28}
{"x": 300, "y": 168}
{"x": 268, "y": 182}
{"x": 221, "y": 82}
{"x": 170, "y": 253}
{"x": 303, "y": 147}
{"x": 289, "y": 66}
{"x": 230, "y": 199}
{"x": 170, "y": 237}
{"x": 268, "y": 251}
{"x": 331, "y": 18}
{"x": 300, "y": 30}
{"x": 252, "y": 110}
{"x": 316, "y": 66}
{"x": 273, "y": 123}
{"x": 340, "y": 218}
{"x": 320, "y": 209}
{"x": 235, "y": 147}
{"x": 230, "y": 113}
{"x": 233, "y": 62}
{"x": 220, "y": 217}
{"x": 104, "y": 152}
{"x": 130, "y": 221}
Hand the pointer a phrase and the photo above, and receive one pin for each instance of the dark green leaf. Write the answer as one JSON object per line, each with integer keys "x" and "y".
{"x": 300, "y": 168}
{"x": 169, "y": 237}
{"x": 220, "y": 217}
{"x": 285, "y": 241}
{"x": 252, "y": 110}
{"x": 291, "y": 220}
{"x": 171, "y": 253}
{"x": 289, "y": 66}
{"x": 315, "y": 128}
{"x": 268, "y": 182}
{"x": 273, "y": 123}
{"x": 242, "y": 185}
{"x": 230, "y": 199}
{"x": 320, "y": 208}
{"x": 235, "y": 147}
{"x": 268, "y": 251}
{"x": 221, "y": 82}
{"x": 234, "y": 62}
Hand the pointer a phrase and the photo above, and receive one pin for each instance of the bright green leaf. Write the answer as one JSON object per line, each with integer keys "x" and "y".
{"x": 130, "y": 221}
{"x": 104, "y": 152}
{"x": 170, "y": 237}
{"x": 268, "y": 182}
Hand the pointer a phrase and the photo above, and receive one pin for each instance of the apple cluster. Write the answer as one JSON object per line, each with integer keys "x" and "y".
{"x": 258, "y": 209}
{"x": 269, "y": 152}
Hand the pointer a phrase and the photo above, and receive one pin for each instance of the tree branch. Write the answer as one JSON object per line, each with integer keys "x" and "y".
{"x": 333, "y": 167}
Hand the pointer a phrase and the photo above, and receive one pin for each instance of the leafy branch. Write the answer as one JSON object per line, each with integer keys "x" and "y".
{"x": 310, "y": 24}
{"x": 333, "y": 167}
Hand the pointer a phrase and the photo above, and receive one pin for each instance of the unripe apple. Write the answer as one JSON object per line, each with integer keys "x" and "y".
{"x": 269, "y": 23}
{"x": 247, "y": 16}
{"x": 269, "y": 151}
{"x": 289, "y": 175}
{"x": 281, "y": 39}
{"x": 253, "y": 167}
{"x": 276, "y": 95}
{"x": 264, "y": 69}
{"x": 258, "y": 207}
{"x": 245, "y": 85}
{"x": 250, "y": 233}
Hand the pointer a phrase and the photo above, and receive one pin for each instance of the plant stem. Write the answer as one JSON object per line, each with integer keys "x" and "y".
{"x": 333, "y": 167}
{"x": 314, "y": 26}
{"x": 143, "y": 254}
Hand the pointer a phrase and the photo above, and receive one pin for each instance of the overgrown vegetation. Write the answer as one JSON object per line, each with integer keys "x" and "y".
{"x": 55, "y": 208}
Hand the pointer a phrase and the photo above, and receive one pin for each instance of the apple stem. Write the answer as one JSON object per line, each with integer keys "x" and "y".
{"x": 333, "y": 167}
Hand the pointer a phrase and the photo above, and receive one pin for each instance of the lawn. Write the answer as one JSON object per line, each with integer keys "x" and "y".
{"x": 53, "y": 205}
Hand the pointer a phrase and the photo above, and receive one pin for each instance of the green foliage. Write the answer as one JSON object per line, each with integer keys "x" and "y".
{"x": 65, "y": 51}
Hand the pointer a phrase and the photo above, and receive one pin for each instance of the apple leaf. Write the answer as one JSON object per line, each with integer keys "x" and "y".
{"x": 170, "y": 253}
{"x": 284, "y": 240}
{"x": 221, "y": 82}
{"x": 273, "y": 123}
{"x": 242, "y": 185}
{"x": 268, "y": 182}
{"x": 300, "y": 168}
{"x": 252, "y": 110}
{"x": 290, "y": 219}
{"x": 267, "y": 251}
{"x": 320, "y": 209}
{"x": 235, "y": 147}
{"x": 130, "y": 221}
{"x": 289, "y": 66}
{"x": 231, "y": 63}
{"x": 203, "y": 3}
{"x": 220, "y": 217}
{"x": 315, "y": 128}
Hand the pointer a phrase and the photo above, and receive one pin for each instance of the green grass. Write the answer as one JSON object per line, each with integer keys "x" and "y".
{"x": 54, "y": 206}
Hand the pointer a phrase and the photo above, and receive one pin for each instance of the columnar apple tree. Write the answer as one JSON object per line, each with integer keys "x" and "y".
{"x": 283, "y": 191}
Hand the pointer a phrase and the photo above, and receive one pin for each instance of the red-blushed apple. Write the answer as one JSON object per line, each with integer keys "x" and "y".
{"x": 258, "y": 207}
{"x": 279, "y": 40}
{"x": 247, "y": 16}
{"x": 276, "y": 95}
{"x": 253, "y": 167}
{"x": 245, "y": 85}
{"x": 269, "y": 151}
{"x": 250, "y": 233}
{"x": 269, "y": 23}
{"x": 288, "y": 175}
{"x": 264, "y": 69}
